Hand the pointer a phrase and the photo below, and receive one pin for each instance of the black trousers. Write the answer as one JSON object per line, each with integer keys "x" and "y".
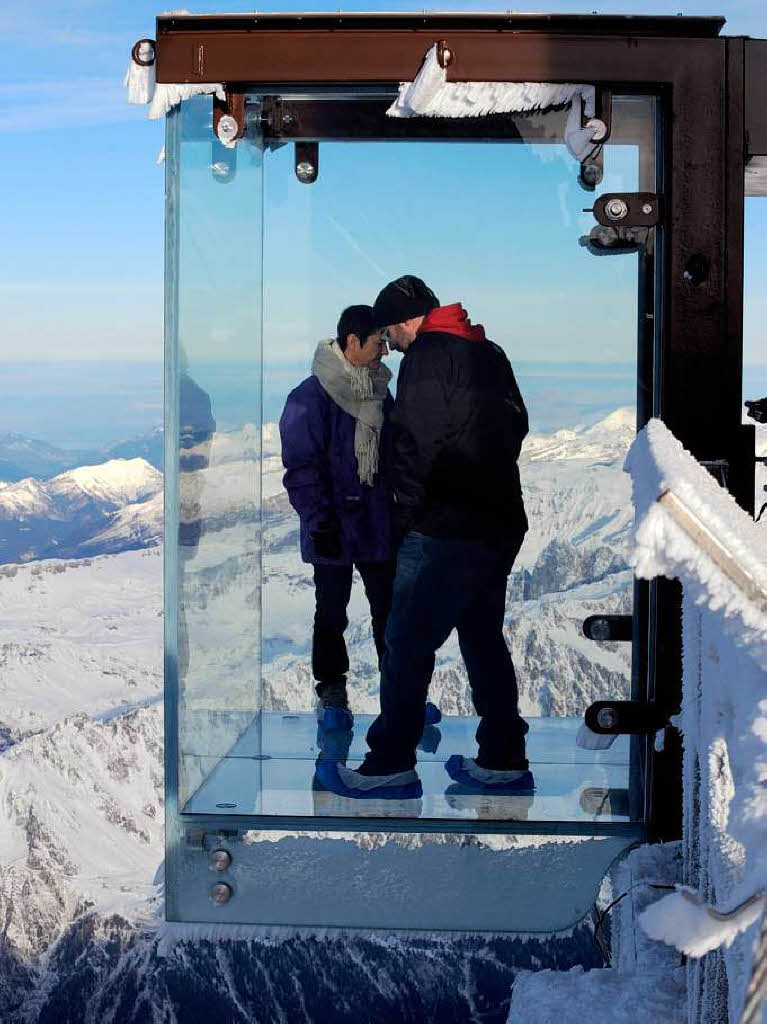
{"x": 333, "y": 588}
{"x": 443, "y": 585}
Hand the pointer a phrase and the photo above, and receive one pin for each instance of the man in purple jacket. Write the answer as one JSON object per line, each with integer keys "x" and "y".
{"x": 336, "y": 450}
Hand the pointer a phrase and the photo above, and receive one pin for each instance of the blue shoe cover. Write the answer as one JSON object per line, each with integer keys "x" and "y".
{"x": 432, "y": 714}
{"x": 455, "y": 769}
{"x": 336, "y": 718}
{"x": 430, "y": 739}
{"x": 327, "y": 773}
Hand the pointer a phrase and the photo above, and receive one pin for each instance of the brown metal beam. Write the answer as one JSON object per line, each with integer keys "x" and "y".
{"x": 669, "y": 26}
{"x": 390, "y": 56}
{"x": 756, "y": 96}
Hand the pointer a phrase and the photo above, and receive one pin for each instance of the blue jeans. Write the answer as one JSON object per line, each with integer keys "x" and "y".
{"x": 443, "y": 585}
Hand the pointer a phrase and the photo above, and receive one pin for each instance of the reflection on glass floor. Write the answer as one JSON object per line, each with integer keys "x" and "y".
{"x": 270, "y": 771}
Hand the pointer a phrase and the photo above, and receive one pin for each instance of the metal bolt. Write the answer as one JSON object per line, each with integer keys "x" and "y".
{"x": 647, "y": 208}
{"x": 221, "y": 170}
{"x": 227, "y": 128}
{"x": 287, "y": 120}
{"x": 600, "y": 628}
{"x": 616, "y": 209}
{"x": 607, "y": 718}
{"x": 221, "y": 893}
{"x": 220, "y": 860}
{"x": 599, "y": 128}
{"x": 591, "y": 175}
{"x": 306, "y": 172}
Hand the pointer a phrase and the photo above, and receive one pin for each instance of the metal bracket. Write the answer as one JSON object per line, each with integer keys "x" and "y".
{"x": 628, "y": 209}
{"x": 603, "y": 111}
{"x": 626, "y": 717}
{"x": 278, "y": 118}
{"x": 609, "y": 628}
{"x": 229, "y": 116}
{"x": 592, "y": 167}
{"x": 612, "y": 241}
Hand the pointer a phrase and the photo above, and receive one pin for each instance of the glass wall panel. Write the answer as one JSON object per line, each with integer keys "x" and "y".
{"x": 500, "y": 227}
{"x": 214, "y": 397}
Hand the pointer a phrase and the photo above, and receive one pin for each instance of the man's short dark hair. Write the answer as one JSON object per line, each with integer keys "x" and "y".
{"x": 354, "y": 320}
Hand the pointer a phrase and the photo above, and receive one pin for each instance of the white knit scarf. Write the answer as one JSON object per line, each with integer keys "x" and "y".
{"x": 360, "y": 391}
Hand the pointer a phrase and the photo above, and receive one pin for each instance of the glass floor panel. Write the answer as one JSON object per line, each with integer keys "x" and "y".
{"x": 270, "y": 771}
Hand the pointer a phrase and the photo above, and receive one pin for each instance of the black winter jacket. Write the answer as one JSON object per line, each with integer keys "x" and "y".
{"x": 457, "y": 429}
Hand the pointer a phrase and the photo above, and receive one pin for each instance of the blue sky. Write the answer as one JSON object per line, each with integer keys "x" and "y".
{"x": 81, "y": 270}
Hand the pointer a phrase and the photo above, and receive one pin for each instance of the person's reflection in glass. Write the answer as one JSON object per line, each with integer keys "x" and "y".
{"x": 488, "y": 806}
{"x": 196, "y": 430}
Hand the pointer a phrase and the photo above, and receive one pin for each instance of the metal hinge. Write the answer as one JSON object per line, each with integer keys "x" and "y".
{"x": 628, "y": 210}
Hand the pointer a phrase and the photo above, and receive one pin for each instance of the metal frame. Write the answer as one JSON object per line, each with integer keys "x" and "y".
{"x": 697, "y": 371}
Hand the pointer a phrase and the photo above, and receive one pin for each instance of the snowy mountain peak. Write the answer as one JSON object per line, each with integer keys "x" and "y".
{"x": 118, "y": 481}
{"x": 624, "y": 418}
{"x": 605, "y": 441}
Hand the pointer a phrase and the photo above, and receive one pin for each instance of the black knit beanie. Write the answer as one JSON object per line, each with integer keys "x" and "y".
{"x": 403, "y": 299}
{"x": 355, "y": 320}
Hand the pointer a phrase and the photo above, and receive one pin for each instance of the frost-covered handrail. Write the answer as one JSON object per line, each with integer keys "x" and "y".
{"x": 698, "y": 532}
{"x": 687, "y": 526}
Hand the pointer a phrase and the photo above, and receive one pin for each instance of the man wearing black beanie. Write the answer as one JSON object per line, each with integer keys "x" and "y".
{"x": 457, "y": 429}
{"x": 401, "y": 307}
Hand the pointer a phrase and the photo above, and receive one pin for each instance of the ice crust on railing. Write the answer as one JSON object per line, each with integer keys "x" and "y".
{"x": 658, "y": 462}
{"x": 431, "y": 95}
{"x": 714, "y": 918}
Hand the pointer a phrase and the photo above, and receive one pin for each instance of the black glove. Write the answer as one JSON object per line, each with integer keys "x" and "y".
{"x": 326, "y": 539}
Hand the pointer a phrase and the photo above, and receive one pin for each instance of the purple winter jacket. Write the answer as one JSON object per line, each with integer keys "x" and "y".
{"x": 322, "y": 480}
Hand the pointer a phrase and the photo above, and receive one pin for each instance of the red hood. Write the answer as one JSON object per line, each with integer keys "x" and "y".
{"x": 452, "y": 319}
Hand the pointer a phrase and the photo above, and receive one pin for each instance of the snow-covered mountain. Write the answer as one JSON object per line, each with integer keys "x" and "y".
{"x": 80, "y": 730}
{"x": 81, "y": 843}
{"x": 22, "y": 457}
{"x": 573, "y": 563}
{"x": 59, "y": 517}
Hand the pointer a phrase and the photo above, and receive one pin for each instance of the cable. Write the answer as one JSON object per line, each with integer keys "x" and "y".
{"x": 600, "y": 916}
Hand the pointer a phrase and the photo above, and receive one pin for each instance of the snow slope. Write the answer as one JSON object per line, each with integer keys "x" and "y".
{"x": 75, "y": 636}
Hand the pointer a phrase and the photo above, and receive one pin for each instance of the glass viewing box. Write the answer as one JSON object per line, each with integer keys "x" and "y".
{"x": 494, "y": 212}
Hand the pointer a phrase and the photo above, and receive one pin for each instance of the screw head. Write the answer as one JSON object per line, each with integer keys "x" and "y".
{"x": 599, "y": 128}
{"x": 607, "y": 718}
{"x": 647, "y": 208}
{"x": 616, "y": 209}
{"x": 600, "y": 628}
{"x": 306, "y": 172}
{"x": 227, "y": 128}
{"x": 591, "y": 175}
{"x": 220, "y": 860}
{"x": 222, "y": 170}
{"x": 221, "y": 893}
